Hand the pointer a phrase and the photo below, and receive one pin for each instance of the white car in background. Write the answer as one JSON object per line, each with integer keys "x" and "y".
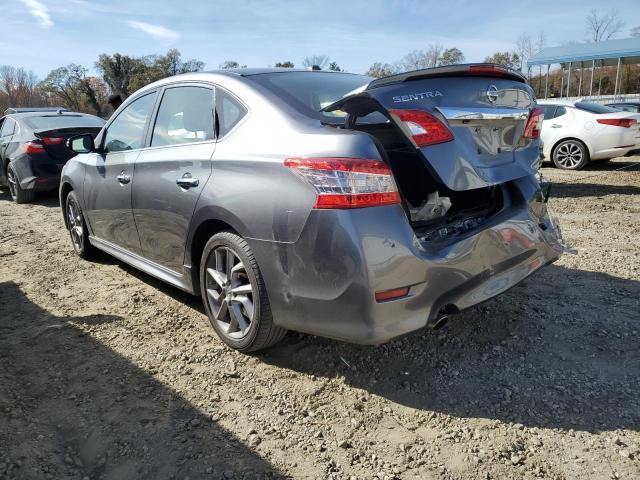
{"x": 575, "y": 133}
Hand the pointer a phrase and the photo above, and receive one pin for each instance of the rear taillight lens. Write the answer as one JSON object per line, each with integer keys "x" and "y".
{"x": 534, "y": 124}
{"x": 33, "y": 147}
{"x": 52, "y": 140}
{"x": 618, "y": 122}
{"x": 423, "y": 128}
{"x": 347, "y": 182}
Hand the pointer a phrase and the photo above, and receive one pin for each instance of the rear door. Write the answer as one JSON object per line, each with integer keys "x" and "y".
{"x": 171, "y": 173}
{"x": 557, "y": 121}
{"x": 109, "y": 175}
{"x": 484, "y": 106}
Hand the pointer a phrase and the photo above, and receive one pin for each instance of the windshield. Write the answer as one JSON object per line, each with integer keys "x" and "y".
{"x": 50, "y": 122}
{"x": 309, "y": 92}
{"x": 595, "y": 108}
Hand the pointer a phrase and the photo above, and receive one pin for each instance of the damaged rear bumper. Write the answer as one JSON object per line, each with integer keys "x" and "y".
{"x": 325, "y": 282}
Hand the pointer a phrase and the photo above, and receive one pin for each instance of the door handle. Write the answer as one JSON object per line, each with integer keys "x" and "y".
{"x": 555, "y": 125}
{"x": 187, "y": 181}
{"x": 123, "y": 178}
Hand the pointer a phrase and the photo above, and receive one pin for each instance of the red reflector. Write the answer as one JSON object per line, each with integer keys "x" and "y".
{"x": 534, "y": 124}
{"x": 618, "y": 122}
{"x": 392, "y": 294}
{"x": 358, "y": 200}
{"x": 423, "y": 128}
{"x": 33, "y": 147}
{"x": 52, "y": 140}
{"x": 347, "y": 182}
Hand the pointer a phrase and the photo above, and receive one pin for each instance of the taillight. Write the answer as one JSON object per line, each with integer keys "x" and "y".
{"x": 347, "y": 182}
{"x": 52, "y": 140}
{"x": 491, "y": 70}
{"x": 423, "y": 128}
{"x": 33, "y": 147}
{"x": 534, "y": 124}
{"x": 618, "y": 122}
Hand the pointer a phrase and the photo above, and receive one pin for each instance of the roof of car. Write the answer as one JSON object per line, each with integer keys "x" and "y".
{"x": 15, "y": 110}
{"x": 247, "y": 72}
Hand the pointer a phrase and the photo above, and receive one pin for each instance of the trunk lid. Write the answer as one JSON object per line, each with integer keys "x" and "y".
{"x": 55, "y": 140}
{"x": 485, "y": 107}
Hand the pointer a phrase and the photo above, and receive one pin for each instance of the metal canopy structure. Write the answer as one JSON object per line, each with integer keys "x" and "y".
{"x": 589, "y": 55}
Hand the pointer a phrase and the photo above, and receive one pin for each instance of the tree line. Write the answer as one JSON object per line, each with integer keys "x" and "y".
{"x": 73, "y": 87}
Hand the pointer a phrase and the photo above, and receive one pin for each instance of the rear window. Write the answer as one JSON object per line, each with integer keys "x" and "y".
{"x": 49, "y": 122}
{"x": 595, "y": 108}
{"x": 310, "y": 92}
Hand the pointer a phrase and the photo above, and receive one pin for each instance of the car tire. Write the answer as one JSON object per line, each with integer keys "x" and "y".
{"x": 77, "y": 227}
{"x": 570, "y": 155}
{"x": 18, "y": 194}
{"x": 234, "y": 294}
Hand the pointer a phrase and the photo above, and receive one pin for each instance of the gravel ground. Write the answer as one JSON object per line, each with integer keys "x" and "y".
{"x": 106, "y": 373}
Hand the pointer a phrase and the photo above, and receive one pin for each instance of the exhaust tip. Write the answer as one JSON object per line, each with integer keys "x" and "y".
{"x": 439, "y": 322}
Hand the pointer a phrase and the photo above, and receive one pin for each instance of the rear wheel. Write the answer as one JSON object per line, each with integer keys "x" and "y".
{"x": 77, "y": 227}
{"x": 570, "y": 155}
{"x": 234, "y": 294}
{"x": 18, "y": 194}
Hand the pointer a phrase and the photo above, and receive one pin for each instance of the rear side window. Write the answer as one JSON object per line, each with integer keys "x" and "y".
{"x": 8, "y": 127}
{"x": 594, "y": 107}
{"x": 50, "y": 122}
{"x": 126, "y": 131}
{"x": 185, "y": 116}
{"x": 229, "y": 111}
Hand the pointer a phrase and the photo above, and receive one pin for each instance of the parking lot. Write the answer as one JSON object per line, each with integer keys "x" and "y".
{"x": 108, "y": 373}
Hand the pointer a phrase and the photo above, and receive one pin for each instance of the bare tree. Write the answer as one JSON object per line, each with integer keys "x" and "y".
{"x": 603, "y": 26}
{"x": 524, "y": 49}
{"x": 286, "y": 64}
{"x": 419, "y": 59}
{"x": 316, "y": 60}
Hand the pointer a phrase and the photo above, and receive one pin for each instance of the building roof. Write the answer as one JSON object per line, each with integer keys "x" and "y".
{"x": 604, "y": 53}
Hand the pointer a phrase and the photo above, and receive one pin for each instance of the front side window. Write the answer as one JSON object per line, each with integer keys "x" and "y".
{"x": 127, "y": 130}
{"x": 185, "y": 116}
{"x": 549, "y": 111}
{"x": 229, "y": 111}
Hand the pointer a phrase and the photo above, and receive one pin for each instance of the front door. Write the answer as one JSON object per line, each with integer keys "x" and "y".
{"x": 109, "y": 176}
{"x": 171, "y": 173}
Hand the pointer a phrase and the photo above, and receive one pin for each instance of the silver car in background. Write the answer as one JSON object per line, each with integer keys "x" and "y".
{"x": 322, "y": 202}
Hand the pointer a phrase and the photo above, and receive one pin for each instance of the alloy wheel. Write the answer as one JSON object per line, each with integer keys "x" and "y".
{"x": 13, "y": 183}
{"x": 230, "y": 292}
{"x": 569, "y": 155}
{"x": 76, "y": 229}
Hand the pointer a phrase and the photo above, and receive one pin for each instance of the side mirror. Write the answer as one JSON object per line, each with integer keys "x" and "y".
{"x": 81, "y": 143}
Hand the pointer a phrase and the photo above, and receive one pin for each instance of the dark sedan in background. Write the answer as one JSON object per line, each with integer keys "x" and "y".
{"x": 33, "y": 147}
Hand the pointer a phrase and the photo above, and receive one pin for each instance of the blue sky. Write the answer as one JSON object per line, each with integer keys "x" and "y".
{"x": 43, "y": 34}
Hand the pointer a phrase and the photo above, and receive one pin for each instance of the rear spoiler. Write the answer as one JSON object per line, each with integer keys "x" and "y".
{"x": 463, "y": 70}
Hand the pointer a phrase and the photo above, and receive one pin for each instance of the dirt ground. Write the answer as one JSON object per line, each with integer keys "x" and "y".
{"x": 106, "y": 373}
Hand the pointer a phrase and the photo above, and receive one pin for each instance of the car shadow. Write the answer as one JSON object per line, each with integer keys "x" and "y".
{"x": 577, "y": 190}
{"x": 543, "y": 354}
{"x": 71, "y": 407}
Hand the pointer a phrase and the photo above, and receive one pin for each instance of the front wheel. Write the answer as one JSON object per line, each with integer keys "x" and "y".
{"x": 18, "y": 194}
{"x": 570, "y": 155}
{"x": 234, "y": 294}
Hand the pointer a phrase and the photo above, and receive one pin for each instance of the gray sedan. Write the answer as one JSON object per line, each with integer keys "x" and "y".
{"x": 322, "y": 202}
